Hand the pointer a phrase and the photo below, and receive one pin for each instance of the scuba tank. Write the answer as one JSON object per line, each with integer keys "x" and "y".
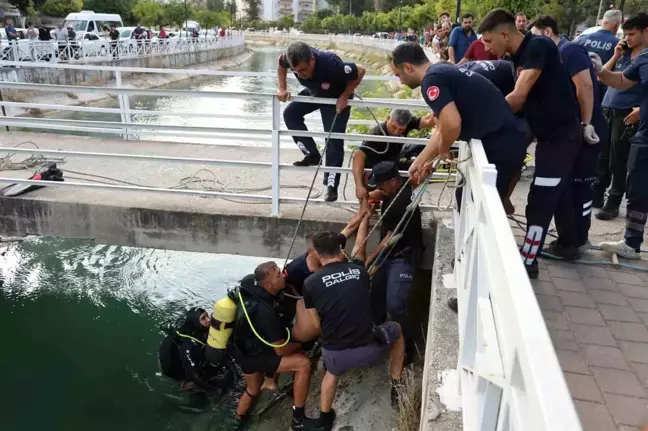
{"x": 223, "y": 321}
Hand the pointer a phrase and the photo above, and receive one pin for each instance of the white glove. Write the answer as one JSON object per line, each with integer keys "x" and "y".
{"x": 596, "y": 62}
{"x": 589, "y": 134}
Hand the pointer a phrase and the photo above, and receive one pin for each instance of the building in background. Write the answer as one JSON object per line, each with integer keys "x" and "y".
{"x": 286, "y": 8}
{"x": 305, "y": 8}
{"x": 321, "y": 4}
{"x": 270, "y": 11}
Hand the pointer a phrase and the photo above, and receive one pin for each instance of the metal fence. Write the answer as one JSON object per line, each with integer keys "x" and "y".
{"x": 510, "y": 375}
{"x": 511, "y": 379}
{"x": 85, "y": 50}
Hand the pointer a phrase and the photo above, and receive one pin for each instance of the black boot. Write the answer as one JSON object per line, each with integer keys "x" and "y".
{"x": 331, "y": 194}
{"x": 308, "y": 160}
{"x": 532, "y": 270}
{"x": 567, "y": 253}
{"x": 610, "y": 211}
{"x": 598, "y": 199}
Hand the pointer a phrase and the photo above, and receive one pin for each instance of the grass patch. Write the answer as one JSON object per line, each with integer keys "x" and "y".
{"x": 407, "y": 414}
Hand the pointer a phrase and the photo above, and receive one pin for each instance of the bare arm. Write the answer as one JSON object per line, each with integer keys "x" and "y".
{"x": 523, "y": 86}
{"x": 585, "y": 94}
{"x": 315, "y": 317}
{"x": 427, "y": 122}
{"x": 451, "y": 54}
{"x": 615, "y": 80}
{"x": 352, "y": 225}
{"x": 282, "y": 73}
{"x": 378, "y": 249}
{"x": 613, "y": 61}
{"x": 359, "y": 159}
{"x": 288, "y": 349}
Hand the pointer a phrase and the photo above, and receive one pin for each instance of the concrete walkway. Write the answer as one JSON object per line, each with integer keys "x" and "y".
{"x": 597, "y": 315}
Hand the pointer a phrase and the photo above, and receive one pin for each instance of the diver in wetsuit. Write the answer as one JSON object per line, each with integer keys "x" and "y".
{"x": 182, "y": 355}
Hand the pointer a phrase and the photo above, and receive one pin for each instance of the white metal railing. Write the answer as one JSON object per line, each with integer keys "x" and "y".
{"x": 128, "y": 128}
{"x": 510, "y": 375}
{"x": 25, "y": 50}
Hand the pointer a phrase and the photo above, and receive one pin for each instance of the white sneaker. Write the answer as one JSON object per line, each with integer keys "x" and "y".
{"x": 620, "y": 248}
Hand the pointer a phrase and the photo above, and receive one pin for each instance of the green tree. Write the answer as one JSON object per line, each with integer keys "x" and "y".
{"x": 61, "y": 7}
{"x": 320, "y": 14}
{"x": 253, "y": 9}
{"x": 286, "y": 22}
{"x": 173, "y": 13}
{"x": 148, "y": 12}
{"x": 216, "y": 5}
{"x": 210, "y": 19}
{"x": 32, "y": 17}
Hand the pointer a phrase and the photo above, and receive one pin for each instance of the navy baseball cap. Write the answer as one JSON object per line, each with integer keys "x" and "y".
{"x": 381, "y": 172}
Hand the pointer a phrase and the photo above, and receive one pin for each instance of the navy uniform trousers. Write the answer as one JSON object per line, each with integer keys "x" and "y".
{"x": 294, "y": 118}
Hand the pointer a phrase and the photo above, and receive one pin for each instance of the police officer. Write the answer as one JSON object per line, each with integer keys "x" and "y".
{"x": 338, "y": 299}
{"x": 466, "y": 105}
{"x": 603, "y": 41}
{"x": 635, "y": 75}
{"x": 400, "y": 123}
{"x": 260, "y": 343}
{"x": 543, "y": 91}
{"x": 394, "y": 278}
{"x": 622, "y": 113}
{"x": 323, "y": 74}
{"x": 579, "y": 195}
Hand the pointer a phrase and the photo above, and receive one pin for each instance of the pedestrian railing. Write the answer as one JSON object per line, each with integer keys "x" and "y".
{"x": 86, "y": 50}
{"x": 510, "y": 376}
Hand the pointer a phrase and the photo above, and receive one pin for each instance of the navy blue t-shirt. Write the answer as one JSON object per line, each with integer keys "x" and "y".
{"x": 460, "y": 41}
{"x": 638, "y": 71}
{"x": 297, "y": 272}
{"x": 8, "y": 30}
{"x": 550, "y": 105}
{"x": 499, "y": 72}
{"x": 623, "y": 99}
{"x": 601, "y": 42}
{"x": 482, "y": 107}
{"x": 575, "y": 60}
{"x": 330, "y": 77}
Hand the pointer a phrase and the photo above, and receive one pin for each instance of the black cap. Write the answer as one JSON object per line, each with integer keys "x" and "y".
{"x": 381, "y": 172}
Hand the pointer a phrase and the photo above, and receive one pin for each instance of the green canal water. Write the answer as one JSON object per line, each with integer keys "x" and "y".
{"x": 82, "y": 324}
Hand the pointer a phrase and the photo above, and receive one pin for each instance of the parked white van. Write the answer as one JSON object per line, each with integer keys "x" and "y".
{"x": 87, "y": 21}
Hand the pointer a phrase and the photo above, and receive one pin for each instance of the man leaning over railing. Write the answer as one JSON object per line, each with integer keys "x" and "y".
{"x": 323, "y": 74}
{"x": 12, "y": 37}
{"x": 114, "y": 41}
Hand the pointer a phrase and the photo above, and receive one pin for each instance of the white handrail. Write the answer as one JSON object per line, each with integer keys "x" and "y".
{"x": 510, "y": 375}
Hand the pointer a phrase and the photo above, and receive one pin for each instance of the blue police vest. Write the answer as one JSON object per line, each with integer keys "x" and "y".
{"x": 601, "y": 42}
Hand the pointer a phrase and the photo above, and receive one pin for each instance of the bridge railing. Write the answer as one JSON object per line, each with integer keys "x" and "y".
{"x": 510, "y": 375}
{"x": 84, "y": 51}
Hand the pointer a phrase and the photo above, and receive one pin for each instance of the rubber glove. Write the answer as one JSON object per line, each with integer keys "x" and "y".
{"x": 596, "y": 62}
{"x": 589, "y": 134}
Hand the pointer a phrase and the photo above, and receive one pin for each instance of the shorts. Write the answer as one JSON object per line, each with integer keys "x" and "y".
{"x": 266, "y": 363}
{"x": 338, "y": 362}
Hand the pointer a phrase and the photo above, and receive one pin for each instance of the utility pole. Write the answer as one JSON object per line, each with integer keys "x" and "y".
{"x": 186, "y": 19}
{"x": 458, "y": 14}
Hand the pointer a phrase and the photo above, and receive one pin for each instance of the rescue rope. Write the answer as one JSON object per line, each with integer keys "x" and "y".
{"x": 33, "y": 161}
{"x": 401, "y": 226}
{"x": 301, "y": 217}
{"x": 247, "y": 316}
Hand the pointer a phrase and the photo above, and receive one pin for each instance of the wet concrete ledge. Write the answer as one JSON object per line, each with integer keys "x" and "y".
{"x": 440, "y": 410}
{"x": 156, "y": 228}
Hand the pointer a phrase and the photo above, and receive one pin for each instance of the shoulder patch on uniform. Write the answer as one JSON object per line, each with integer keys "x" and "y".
{"x": 433, "y": 93}
{"x": 347, "y": 69}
